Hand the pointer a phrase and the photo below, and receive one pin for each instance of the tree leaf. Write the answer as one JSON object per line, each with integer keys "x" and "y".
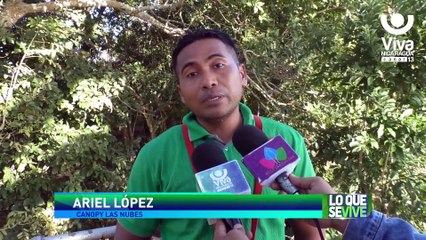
{"x": 380, "y": 131}
{"x": 407, "y": 112}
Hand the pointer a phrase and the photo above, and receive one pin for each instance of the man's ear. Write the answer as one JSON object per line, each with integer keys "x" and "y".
{"x": 243, "y": 74}
{"x": 180, "y": 94}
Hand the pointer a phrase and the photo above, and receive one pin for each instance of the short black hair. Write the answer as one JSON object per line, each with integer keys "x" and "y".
{"x": 200, "y": 34}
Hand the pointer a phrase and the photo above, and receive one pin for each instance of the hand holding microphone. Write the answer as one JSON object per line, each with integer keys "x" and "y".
{"x": 312, "y": 185}
{"x": 237, "y": 233}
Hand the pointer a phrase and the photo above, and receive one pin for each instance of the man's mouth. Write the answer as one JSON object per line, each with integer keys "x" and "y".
{"x": 214, "y": 98}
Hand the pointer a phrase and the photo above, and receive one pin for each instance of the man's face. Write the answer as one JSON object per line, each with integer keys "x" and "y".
{"x": 210, "y": 79}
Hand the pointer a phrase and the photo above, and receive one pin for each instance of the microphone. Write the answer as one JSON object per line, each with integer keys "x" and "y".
{"x": 267, "y": 159}
{"x": 216, "y": 174}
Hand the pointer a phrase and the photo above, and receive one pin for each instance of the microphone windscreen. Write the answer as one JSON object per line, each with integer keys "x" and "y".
{"x": 247, "y": 138}
{"x": 207, "y": 155}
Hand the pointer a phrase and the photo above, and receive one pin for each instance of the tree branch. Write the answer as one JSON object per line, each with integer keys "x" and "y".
{"x": 16, "y": 9}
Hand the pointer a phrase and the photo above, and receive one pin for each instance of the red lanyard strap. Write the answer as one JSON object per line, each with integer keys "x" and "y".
{"x": 189, "y": 145}
{"x": 257, "y": 186}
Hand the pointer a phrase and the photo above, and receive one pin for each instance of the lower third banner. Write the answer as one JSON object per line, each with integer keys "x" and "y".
{"x": 204, "y": 205}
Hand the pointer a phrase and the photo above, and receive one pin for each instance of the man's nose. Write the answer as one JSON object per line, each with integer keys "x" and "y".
{"x": 209, "y": 80}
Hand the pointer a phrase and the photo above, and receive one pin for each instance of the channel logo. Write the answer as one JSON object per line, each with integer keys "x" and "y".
{"x": 397, "y": 49}
{"x": 397, "y": 20}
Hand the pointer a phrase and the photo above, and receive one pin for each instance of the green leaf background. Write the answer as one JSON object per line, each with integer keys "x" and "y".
{"x": 81, "y": 91}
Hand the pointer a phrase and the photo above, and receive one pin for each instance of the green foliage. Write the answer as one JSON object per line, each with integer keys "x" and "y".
{"x": 368, "y": 115}
{"x": 81, "y": 92}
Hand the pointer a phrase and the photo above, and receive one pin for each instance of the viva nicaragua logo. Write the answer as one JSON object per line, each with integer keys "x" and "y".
{"x": 221, "y": 180}
{"x": 397, "y": 49}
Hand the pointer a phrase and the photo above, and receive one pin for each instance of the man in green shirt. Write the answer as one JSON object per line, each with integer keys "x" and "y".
{"x": 211, "y": 82}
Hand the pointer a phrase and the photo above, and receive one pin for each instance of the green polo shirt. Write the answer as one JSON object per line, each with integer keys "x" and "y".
{"x": 163, "y": 165}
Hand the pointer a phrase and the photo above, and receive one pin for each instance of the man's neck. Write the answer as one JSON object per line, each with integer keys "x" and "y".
{"x": 224, "y": 128}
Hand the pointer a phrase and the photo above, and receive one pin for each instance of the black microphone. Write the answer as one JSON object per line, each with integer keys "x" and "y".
{"x": 216, "y": 174}
{"x": 207, "y": 155}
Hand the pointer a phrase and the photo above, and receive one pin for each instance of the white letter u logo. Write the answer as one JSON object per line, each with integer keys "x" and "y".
{"x": 395, "y": 31}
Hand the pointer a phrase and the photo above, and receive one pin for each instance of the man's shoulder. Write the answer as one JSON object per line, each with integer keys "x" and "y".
{"x": 275, "y": 127}
{"x": 164, "y": 147}
{"x": 168, "y": 138}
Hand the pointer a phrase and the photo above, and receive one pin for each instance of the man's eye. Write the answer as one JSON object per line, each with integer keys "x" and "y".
{"x": 191, "y": 74}
{"x": 219, "y": 65}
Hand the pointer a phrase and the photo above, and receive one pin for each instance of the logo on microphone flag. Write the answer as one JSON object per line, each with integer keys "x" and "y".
{"x": 272, "y": 157}
{"x": 270, "y": 160}
{"x": 226, "y": 177}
